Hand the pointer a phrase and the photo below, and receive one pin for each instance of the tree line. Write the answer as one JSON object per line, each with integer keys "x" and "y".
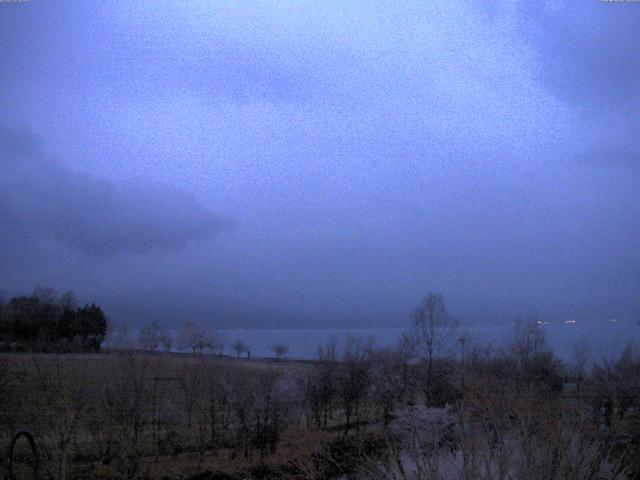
{"x": 44, "y": 321}
{"x": 434, "y": 402}
{"x": 192, "y": 338}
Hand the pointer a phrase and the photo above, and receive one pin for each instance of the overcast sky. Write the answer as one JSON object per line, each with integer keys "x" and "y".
{"x": 327, "y": 159}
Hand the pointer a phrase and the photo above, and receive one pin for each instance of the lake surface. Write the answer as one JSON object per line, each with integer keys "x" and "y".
{"x": 606, "y": 341}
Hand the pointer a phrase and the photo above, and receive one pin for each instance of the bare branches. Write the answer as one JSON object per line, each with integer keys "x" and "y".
{"x": 131, "y": 415}
{"x": 280, "y": 350}
{"x": 432, "y": 329}
{"x": 195, "y": 338}
{"x": 149, "y": 337}
{"x": 240, "y": 348}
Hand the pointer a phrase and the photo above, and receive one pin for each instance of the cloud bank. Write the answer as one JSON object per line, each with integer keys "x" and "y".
{"x": 41, "y": 198}
{"x": 373, "y": 152}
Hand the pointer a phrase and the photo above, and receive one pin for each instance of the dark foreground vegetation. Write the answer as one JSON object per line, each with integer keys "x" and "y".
{"x": 44, "y": 322}
{"x": 413, "y": 412}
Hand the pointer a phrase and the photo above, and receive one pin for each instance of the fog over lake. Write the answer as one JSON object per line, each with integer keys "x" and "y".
{"x": 605, "y": 341}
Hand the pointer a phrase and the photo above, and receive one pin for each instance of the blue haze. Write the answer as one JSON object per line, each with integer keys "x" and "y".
{"x": 299, "y": 163}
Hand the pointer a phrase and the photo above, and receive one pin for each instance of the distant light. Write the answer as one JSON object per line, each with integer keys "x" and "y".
{"x": 570, "y": 322}
{"x": 613, "y": 319}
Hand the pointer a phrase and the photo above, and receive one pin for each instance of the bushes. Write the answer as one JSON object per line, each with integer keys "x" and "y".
{"x": 438, "y": 390}
{"x": 133, "y": 415}
{"x": 121, "y": 413}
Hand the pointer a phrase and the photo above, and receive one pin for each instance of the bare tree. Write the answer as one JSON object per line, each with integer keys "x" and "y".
{"x": 388, "y": 381}
{"x": 432, "y": 329}
{"x": 354, "y": 378}
{"x": 533, "y": 360}
{"x": 166, "y": 341}
{"x": 195, "y": 338}
{"x": 271, "y": 411}
{"x": 329, "y": 351}
{"x": 318, "y": 384}
{"x": 68, "y": 300}
{"x": 408, "y": 345}
{"x": 279, "y": 350}
{"x": 121, "y": 339}
{"x": 148, "y": 337}
{"x": 581, "y": 355}
{"x": 46, "y": 295}
{"x": 218, "y": 342}
{"x": 528, "y": 339}
{"x": 239, "y": 347}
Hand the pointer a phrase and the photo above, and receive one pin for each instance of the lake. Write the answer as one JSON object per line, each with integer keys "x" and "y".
{"x": 606, "y": 341}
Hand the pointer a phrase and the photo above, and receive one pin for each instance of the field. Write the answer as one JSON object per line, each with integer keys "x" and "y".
{"x": 138, "y": 415}
{"x": 362, "y": 414}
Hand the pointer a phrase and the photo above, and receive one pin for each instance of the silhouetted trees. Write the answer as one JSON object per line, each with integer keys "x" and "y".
{"x": 280, "y": 350}
{"x": 122, "y": 338}
{"x": 432, "y": 329}
{"x": 45, "y": 322}
{"x": 389, "y": 381}
{"x": 354, "y": 377}
{"x": 166, "y": 341}
{"x": 218, "y": 342}
{"x": 318, "y": 385}
{"x": 130, "y": 414}
{"x": 149, "y": 336}
{"x": 532, "y": 358}
{"x": 195, "y": 338}
{"x": 240, "y": 348}
{"x": 431, "y": 335}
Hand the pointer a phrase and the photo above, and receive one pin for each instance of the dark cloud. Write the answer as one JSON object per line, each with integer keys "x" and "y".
{"x": 42, "y": 198}
{"x": 372, "y": 153}
{"x": 586, "y": 55}
{"x": 587, "y": 52}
